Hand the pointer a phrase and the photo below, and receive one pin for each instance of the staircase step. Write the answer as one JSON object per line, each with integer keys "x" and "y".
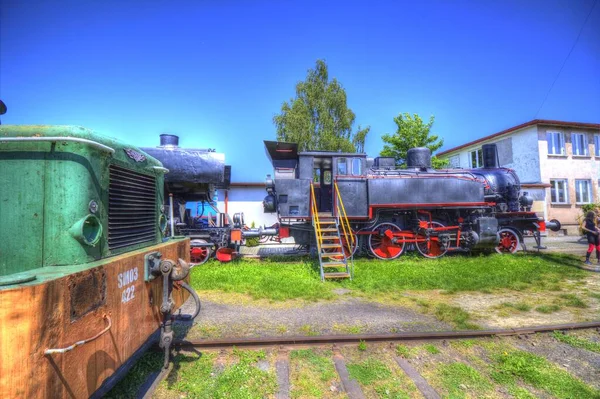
{"x": 332, "y": 221}
{"x": 337, "y": 275}
{"x": 333, "y": 264}
{"x": 328, "y": 230}
{"x": 331, "y": 255}
{"x": 331, "y": 246}
{"x": 330, "y": 237}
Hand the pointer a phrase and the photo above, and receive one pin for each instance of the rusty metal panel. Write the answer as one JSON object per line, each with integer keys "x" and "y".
{"x": 87, "y": 291}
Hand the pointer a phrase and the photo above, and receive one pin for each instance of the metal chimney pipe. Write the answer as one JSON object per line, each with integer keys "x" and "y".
{"x": 169, "y": 140}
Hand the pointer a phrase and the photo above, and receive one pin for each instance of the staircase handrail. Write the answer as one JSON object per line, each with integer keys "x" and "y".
{"x": 315, "y": 217}
{"x": 345, "y": 223}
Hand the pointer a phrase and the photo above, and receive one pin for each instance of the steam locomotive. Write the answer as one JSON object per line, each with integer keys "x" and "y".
{"x": 194, "y": 176}
{"x": 392, "y": 210}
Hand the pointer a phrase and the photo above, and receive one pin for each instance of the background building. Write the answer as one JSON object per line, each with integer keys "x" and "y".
{"x": 558, "y": 164}
{"x": 246, "y": 198}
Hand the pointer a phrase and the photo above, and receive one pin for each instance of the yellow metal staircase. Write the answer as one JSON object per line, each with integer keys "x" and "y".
{"x": 335, "y": 239}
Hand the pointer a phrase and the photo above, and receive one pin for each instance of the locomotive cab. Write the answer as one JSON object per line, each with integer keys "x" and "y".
{"x": 289, "y": 193}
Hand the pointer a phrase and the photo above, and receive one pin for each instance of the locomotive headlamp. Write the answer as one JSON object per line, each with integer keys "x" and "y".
{"x": 87, "y": 230}
{"x": 162, "y": 208}
{"x": 93, "y": 206}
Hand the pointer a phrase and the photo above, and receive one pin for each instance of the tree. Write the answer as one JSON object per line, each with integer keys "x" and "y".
{"x": 318, "y": 118}
{"x": 412, "y": 132}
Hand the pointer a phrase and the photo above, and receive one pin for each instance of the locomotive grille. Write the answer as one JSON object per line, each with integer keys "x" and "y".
{"x": 131, "y": 208}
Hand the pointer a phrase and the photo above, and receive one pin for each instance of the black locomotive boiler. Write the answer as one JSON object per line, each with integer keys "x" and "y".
{"x": 392, "y": 210}
{"x": 194, "y": 175}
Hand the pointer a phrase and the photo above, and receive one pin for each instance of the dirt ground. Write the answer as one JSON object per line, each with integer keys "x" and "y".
{"x": 234, "y": 315}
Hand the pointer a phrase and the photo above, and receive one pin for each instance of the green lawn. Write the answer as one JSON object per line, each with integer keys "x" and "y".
{"x": 281, "y": 280}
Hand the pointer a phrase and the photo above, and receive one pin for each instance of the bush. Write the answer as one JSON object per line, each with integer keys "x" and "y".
{"x": 253, "y": 241}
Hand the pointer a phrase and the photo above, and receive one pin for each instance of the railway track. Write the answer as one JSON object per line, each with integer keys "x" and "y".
{"x": 282, "y": 346}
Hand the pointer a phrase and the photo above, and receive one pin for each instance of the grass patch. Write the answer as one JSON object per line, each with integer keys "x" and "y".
{"x": 577, "y": 342}
{"x": 281, "y": 329}
{"x": 368, "y": 371}
{"x": 128, "y": 386}
{"x": 191, "y": 373}
{"x": 362, "y": 346}
{"x": 520, "y": 306}
{"x": 404, "y": 351}
{"x": 459, "y": 378}
{"x": 594, "y": 295}
{"x": 432, "y": 349}
{"x": 348, "y": 329}
{"x": 547, "y": 309}
{"x": 378, "y": 380}
{"x": 284, "y": 279}
{"x": 193, "y": 376}
{"x": 539, "y": 373}
{"x": 207, "y": 331}
{"x": 463, "y": 343}
{"x": 464, "y": 273}
{"x": 573, "y": 301}
{"x": 322, "y": 364}
{"x": 311, "y": 373}
{"x": 264, "y": 280}
{"x": 456, "y": 315}
{"x": 309, "y": 330}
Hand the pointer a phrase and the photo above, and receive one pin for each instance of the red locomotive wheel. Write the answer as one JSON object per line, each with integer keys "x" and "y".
{"x": 381, "y": 246}
{"x": 348, "y": 252}
{"x": 509, "y": 242}
{"x": 199, "y": 254}
{"x": 349, "y": 249}
{"x": 431, "y": 248}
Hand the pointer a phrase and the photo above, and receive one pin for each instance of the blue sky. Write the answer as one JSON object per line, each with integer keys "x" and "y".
{"x": 216, "y": 72}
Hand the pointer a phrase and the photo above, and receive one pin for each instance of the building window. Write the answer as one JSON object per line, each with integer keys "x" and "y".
{"x": 356, "y": 169}
{"x": 559, "y": 191}
{"x": 316, "y": 175}
{"x": 476, "y": 158}
{"x": 580, "y": 145}
{"x": 582, "y": 192}
{"x": 341, "y": 166}
{"x": 454, "y": 161}
{"x": 597, "y": 145}
{"x": 556, "y": 143}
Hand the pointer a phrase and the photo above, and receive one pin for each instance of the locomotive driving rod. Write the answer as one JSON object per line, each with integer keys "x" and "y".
{"x": 403, "y": 336}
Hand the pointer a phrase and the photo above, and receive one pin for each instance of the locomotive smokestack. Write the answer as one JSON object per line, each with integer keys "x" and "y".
{"x": 490, "y": 156}
{"x": 418, "y": 158}
{"x": 169, "y": 140}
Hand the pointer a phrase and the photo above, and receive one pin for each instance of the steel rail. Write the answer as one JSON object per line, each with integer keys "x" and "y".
{"x": 148, "y": 388}
{"x": 403, "y": 336}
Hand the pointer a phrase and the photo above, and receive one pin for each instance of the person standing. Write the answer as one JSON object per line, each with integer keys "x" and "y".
{"x": 593, "y": 236}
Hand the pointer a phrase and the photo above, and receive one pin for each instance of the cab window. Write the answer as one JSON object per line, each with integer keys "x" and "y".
{"x": 316, "y": 175}
{"x": 327, "y": 177}
{"x": 341, "y": 166}
{"x": 356, "y": 167}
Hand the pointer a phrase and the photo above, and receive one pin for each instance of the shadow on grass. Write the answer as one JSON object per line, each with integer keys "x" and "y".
{"x": 558, "y": 258}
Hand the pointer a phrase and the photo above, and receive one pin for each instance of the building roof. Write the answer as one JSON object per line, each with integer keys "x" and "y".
{"x": 521, "y": 126}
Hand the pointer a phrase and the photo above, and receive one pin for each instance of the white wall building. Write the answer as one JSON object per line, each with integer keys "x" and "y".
{"x": 246, "y": 198}
{"x": 557, "y": 162}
